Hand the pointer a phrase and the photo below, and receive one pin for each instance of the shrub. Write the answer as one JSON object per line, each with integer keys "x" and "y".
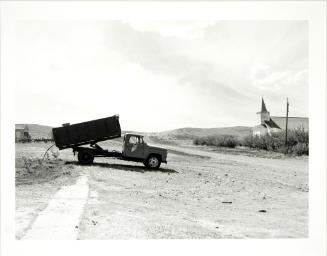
{"x": 300, "y": 149}
{"x": 218, "y": 141}
{"x": 228, "y": 141}
{"x": 297, "y": 142}
{"x": 27, "y": 164}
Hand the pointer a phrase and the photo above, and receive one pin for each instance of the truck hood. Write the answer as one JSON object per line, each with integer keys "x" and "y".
{"x": 157, "y": 148}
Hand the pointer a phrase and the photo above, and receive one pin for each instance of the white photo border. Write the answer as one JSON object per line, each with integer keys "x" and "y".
{"x": 312, "y": 11}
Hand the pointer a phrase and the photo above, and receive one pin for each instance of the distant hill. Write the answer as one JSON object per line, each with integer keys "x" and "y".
{"x": 39, "y": 131}
{"x": 191, "y": 133}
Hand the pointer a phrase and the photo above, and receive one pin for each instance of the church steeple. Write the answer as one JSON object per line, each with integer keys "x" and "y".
{"x": 263, "y": 106}
{"x": 264, "y": 114}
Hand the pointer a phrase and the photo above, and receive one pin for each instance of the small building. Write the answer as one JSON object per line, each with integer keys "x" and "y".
{"x": 21, "y": 132}
{"x": 269, "y": 124}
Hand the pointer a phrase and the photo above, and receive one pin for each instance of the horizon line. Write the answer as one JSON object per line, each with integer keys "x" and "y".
{"x": 186, "y": 127}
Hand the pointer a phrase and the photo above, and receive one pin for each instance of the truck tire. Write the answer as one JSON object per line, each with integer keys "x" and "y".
{"x": 153, "y": 162}
{"x": 85, "y": 157}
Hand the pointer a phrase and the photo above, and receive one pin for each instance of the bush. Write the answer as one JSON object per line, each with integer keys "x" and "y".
{"x": 300, "y": 149}
{"x": 218, "y": 141}
{"x": 297, "y": 142}
{"x": 27, "y": 164}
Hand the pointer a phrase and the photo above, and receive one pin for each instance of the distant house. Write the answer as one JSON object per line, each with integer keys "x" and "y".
{"x": 21, "y": 132}
{"x": 269, "y": 124}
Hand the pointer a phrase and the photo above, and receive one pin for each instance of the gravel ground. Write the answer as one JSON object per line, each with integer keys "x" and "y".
{"x": 200, "y": 193}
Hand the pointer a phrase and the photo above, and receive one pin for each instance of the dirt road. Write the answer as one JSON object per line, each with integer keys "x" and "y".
{"x": 198, "y": 194}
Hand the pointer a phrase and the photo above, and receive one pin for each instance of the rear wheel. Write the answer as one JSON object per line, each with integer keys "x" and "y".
{"x": 85, "y": 157}
{"x": 153, "y": 162}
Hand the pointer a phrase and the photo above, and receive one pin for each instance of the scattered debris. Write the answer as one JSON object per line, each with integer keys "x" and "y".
{"x": 94, "y": 222}
{"x": 304, "y": 189}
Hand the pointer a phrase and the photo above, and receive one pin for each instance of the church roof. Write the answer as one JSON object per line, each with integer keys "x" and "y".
{"x": 272, "y": 124}
{"x": 293, "y": 122}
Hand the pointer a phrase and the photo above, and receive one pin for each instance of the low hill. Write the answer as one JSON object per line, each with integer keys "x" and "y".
{"x": 39, "y": 131}
{"x": 192, "y": 133}
{"x": 43, "y": 131}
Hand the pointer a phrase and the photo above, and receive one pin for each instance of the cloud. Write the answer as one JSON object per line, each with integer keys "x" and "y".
{"x": 150, "y": 49}
{"x": 179, "y": 29}
{"x": 212, "y": 90}
{"x": 275, "y": 51}
{"x": 190, "y": 73}
{"x": 268, "y": 80}
{"x": 176, "y": 56}
{"x": 259, "y": 71}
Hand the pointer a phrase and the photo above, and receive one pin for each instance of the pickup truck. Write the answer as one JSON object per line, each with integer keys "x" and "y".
{"x": 134, "y": 148}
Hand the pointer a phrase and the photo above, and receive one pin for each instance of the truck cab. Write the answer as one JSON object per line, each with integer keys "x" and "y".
{"x": 135, "y": 148}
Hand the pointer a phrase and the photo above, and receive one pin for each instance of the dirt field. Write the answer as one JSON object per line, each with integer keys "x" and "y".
{"x": 200, "y": 193}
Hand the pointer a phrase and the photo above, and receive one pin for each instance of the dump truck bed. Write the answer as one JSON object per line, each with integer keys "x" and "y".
{"x": 70, "y": 136}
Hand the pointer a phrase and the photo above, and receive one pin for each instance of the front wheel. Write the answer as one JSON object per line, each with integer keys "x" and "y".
{"x": 153, "y": 162}
{"x": 85, "y": 157}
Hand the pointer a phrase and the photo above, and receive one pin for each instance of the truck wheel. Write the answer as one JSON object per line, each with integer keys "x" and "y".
{"x": 153, "y": 162}
{"x": 85, "y": 157}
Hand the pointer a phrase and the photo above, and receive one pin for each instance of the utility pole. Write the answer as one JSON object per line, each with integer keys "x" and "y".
{"x": 287, "y": 104}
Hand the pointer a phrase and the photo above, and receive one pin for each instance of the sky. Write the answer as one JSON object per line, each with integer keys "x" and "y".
{"x": 159, "y": 75}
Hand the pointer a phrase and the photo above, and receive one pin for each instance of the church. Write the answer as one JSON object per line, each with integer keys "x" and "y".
{"x": 269, "y": 124}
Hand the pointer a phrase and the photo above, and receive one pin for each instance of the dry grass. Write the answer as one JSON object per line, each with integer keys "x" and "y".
{"x": 34, "y": 170}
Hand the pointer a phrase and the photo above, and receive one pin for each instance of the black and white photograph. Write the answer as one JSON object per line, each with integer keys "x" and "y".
{"x": 136, "y": 122}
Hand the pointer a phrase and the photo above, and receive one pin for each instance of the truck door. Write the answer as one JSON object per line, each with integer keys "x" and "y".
{"x": 134, "y": 147}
